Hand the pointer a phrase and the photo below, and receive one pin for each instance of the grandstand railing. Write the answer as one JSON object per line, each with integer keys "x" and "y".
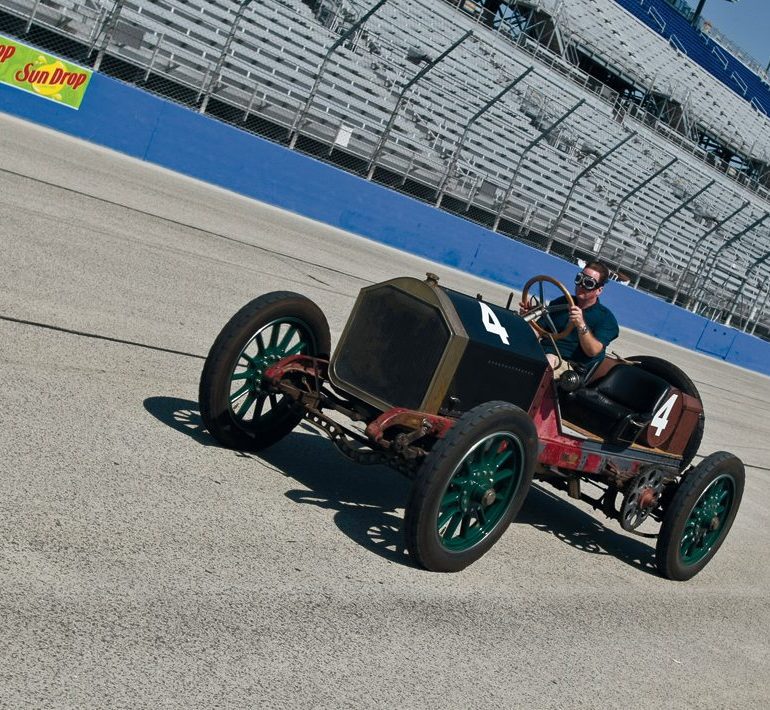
{"x": 212, "y": 57}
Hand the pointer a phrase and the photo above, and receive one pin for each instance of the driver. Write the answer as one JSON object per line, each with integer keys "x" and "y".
{"x": 595, "y": 325}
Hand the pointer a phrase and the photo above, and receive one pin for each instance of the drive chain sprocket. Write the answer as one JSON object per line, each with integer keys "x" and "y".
{"x": 641, "y": 498}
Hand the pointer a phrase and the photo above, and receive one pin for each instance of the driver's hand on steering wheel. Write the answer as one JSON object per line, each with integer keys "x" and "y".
{"x": 524, "y": 308}
{"x": 576, "y": 316}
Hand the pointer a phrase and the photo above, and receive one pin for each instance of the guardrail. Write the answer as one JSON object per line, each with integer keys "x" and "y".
{"x": 133, "y": 122}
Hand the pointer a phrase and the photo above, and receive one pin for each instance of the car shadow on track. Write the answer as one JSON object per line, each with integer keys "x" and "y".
{"x": 369, "y": 500}
{"x": 547, "y": 512}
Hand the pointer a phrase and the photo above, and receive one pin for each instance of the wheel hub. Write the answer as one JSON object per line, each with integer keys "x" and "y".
{"x": 489, "y": 497}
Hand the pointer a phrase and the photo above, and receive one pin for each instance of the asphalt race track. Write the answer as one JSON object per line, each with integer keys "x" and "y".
{"x": 143, "y": 566}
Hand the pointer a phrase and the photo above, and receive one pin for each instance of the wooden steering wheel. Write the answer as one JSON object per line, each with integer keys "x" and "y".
{"x": 525, "y": 296}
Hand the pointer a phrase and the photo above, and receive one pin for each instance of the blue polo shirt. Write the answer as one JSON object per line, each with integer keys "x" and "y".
{"x": 599, "y": 320}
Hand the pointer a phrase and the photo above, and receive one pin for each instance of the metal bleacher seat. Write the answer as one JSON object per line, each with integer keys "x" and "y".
{"x": 271, "y": 67}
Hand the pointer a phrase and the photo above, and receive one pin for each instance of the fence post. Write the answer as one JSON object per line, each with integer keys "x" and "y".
{"x": 655, "y": 236}
{"x": 299, "y": 118}
{"x": 384, "y": 136}
{"x": 216, "y": 75}
{"x": 578, "y": 178}
{"x": 110, "y": 23}
{"x": 628, "y": 196}
{"x": 470, "y": 122}
{"x": 697, "y": 246}
{"x": 524, "y": 152}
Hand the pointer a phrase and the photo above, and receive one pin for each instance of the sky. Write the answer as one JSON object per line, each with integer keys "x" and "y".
{"x": 746, "y": 23}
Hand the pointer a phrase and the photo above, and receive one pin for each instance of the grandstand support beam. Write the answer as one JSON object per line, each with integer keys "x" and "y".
{"x": 110, "y": 22}
{"x": 732, "y": 240}
{"x": 760, "y": 310}
{"x": 466, "y": 129}
{"x": 696, "y": 248}
{"x": 299, "y": 119}
{"x": 578, "y": 178}
{"x": 739, "y": 293}
{"x": 215, "y": 77}
{"x": 670, "y": 215}
{"x": 32, "y": 16}
{"x": 627, "y": 197}
{"x": 409, "y": 84}
{"x": 522, "y": 155}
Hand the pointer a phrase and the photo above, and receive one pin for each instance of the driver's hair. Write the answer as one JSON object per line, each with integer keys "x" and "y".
{"x": 604, "y": 272}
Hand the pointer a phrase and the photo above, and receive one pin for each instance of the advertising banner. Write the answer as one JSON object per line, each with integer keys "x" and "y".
{"x": 28, "y": 69}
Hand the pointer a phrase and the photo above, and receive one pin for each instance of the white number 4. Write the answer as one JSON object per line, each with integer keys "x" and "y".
{"x": 660, "y": 420}
{"x": 492, "y": 324}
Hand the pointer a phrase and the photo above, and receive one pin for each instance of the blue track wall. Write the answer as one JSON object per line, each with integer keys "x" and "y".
{"x": 131, "y": 121}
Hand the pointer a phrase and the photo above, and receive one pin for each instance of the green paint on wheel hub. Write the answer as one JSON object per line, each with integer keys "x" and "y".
{"x": 480, "y": 491}
{"x": 275, "y": 341}
{"x": 707, "y": 519}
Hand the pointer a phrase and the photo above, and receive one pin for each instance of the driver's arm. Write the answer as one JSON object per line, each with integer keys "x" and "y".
{"x": 589, "y": 343}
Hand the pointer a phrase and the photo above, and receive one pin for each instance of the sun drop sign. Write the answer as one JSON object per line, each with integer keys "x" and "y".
{"x": 51, "y": 78}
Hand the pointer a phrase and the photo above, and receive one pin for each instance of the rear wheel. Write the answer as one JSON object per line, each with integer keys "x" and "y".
{"x": 699, "y": 516}
{"x": 677, "y": 378}
{"x": 236, "y": 407}
{"x": 470, "y": 487}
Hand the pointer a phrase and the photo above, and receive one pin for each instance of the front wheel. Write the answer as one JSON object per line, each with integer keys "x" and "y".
{"x": 699, "y": 516}
{"x": 236, "y": 407}
{"x": 470, "y": 487}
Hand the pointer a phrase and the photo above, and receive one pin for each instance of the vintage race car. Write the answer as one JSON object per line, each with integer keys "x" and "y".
{"x": 457, "y": 394}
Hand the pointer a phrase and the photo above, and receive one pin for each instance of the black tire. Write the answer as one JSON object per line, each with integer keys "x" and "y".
{"x": 703, "y": 508}
{"x": 677, "y": 378}
{"x": 482, "y": 517}
{"x": 240, "y": 353}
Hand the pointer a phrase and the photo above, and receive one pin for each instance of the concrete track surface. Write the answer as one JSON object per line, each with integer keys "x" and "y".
{"x": 143, "y": 566}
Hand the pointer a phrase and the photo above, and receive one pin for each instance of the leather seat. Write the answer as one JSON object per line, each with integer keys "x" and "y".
{"x": 619, "y": 405}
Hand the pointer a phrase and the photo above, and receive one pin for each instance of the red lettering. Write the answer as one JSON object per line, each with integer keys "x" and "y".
{"x": 73, "y": 79}
{"x": 33, "y": 76}
{"x": 23, "y": 74}
{"x": 6, "y": 52}
{"x": 77, "y": 80}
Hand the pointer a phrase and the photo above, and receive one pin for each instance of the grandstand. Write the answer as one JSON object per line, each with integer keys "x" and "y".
{"x": 609, "y": 127}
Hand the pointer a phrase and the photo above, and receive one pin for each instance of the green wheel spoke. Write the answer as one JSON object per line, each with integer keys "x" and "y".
{"x": 488, "y": 454}
{"x": 251, "y": 360}
{"x": 239, "y": 393}
{"x": 286, "y": 339}
{"x": 245, "y": 406}
{"x": 502, "y": 457}
{"x": 260, "y": 341}
{"x": 450, "y": 498}
{"x": 445, "y": 515}
{"x": 502, "y": 474}
{"x": 296, "y": 349}
{"x": 454, "y": 523}
{"x": 242, "y": 375}
{"x": 274, "y": 335}
{"x": 260, "y": 405}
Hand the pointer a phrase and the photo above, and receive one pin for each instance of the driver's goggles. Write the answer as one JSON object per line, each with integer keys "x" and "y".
{"x": 589, "y": 283}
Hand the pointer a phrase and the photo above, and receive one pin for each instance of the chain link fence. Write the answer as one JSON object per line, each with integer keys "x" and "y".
{"x": 485, "y": 123}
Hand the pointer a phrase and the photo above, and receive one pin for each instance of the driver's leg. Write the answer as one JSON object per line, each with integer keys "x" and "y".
{"x": 558, "y": 366}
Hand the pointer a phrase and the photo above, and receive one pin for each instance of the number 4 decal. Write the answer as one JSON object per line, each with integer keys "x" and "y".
{"x": 660, "y": 420}
{"x": 492, "y": 324}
